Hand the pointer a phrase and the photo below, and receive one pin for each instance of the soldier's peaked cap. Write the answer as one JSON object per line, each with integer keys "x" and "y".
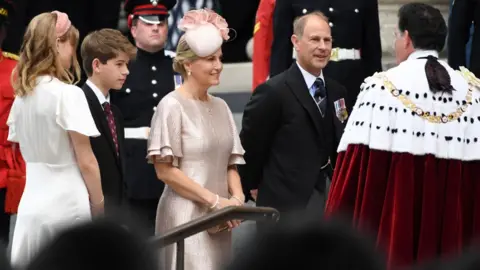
{"x": 149, "y": 11}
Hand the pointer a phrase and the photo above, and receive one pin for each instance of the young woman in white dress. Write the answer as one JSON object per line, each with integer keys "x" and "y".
{"x": 51, "y": 122}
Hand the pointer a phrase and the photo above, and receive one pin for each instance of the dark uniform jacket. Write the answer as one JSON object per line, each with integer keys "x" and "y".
{"x": 151, "y": 78}
{"x": 354, "y": 24}
{"x": 464, "y": 12}
{"x": 240, "y": 15}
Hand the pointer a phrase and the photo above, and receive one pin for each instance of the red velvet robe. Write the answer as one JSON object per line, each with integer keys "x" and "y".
{"x": 414, "y": 184}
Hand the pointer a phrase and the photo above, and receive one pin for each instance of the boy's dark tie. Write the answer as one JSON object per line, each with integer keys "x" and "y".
{"x": 111, "y": 123}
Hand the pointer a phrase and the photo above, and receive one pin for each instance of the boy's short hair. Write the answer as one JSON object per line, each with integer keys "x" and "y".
{"x": 104, "y": 45}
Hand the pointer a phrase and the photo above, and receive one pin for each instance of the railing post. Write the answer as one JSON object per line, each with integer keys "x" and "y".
{"x": 181, "y": 254}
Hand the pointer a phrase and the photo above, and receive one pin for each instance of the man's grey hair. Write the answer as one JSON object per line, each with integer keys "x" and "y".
{"x": 299, "y": 22}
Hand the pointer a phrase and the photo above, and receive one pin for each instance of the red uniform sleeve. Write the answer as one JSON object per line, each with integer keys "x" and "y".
{"x": 12, "y": 165}
{"x": 15, "y": 180}
{"x": 262, "y": 41}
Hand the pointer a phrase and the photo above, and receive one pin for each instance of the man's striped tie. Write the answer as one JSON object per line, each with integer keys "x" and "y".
{"x": 320, "y": 95}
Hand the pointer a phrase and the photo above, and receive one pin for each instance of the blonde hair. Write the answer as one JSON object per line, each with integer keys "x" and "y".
{"x": 184, "y": 54}
{"x": 38, "y": 55}
{"x": 104, "y": 44}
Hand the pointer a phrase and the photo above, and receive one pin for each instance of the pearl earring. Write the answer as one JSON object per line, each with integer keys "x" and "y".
{"x": 189, "y": 73}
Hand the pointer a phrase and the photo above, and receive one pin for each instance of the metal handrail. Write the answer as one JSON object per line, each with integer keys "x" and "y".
{"x": 179, "y": 233}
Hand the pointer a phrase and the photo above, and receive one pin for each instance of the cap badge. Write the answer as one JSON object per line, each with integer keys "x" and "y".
{"x": 3, "y": 12}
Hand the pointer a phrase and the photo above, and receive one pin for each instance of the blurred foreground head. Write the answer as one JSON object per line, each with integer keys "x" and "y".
{"x": 308, "y": 244}
{"x": 4, "y": 263}
{"x": 98, "y": 245}
{"x": 469, "y": 260}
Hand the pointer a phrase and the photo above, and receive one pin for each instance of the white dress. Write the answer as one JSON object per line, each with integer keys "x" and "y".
{"x": 55, "y": 195}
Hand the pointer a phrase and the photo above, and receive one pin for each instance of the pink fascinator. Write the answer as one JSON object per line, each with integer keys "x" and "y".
{"x": 63, "y": 23}
{"x": 205, "y": 31}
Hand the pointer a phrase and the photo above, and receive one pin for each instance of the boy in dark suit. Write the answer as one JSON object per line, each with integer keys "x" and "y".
{"x": 105, "y": 55}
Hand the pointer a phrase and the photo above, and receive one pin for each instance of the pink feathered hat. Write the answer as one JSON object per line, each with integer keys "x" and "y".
{"x": 205, "y": 31}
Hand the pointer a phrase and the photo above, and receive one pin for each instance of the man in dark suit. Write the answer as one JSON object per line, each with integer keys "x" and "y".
{"x": 463, "y": 13}
{"x": 292, "y": 125}
{"x": 105, "y": 55}
{"x": 357, "y": 51}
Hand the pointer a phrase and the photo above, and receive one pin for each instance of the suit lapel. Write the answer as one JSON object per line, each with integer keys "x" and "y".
{"x": 297, "y": 85}
{"x": 99, "y": 116}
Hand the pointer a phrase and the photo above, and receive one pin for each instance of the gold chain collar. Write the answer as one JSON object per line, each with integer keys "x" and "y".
{"x": 473, "y": 82}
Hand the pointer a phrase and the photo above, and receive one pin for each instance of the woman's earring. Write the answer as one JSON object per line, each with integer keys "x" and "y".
{"x": 189, "y": 73}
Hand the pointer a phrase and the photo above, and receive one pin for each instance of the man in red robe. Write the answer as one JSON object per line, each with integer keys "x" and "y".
{"x": 408, "y": 169}
{"x": 12, "y": 165}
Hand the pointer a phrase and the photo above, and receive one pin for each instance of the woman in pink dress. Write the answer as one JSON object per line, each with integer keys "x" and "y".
{"x": 195, "y": 147}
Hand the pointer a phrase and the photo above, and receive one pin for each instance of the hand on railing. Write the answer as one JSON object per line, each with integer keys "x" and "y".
{"x": 231, "y": 224}
{"x": 213, "y": 219}
{"x": 237, "y": 202}
{"x": 224, "y": 202}
{"x": 254, "y": 194}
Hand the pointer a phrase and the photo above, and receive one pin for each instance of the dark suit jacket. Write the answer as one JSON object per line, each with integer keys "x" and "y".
{"x": 464, "y": 12}
{"x": 354, "y": 24}
{"x": 112, "y": 167}
{"x": 287, "y": 141}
